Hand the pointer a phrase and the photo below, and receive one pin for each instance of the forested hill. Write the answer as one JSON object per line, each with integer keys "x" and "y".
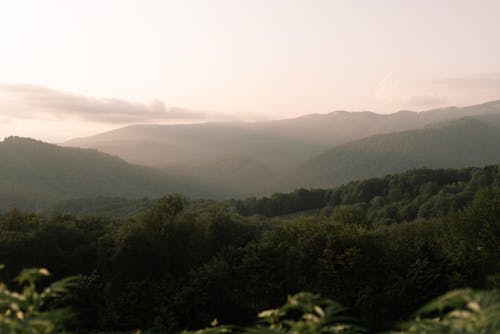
{"x": 456, "y": 144}
{"x": 34, "y": 174}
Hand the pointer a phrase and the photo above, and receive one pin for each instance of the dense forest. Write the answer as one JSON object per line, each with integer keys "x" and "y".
{"x": 380, "y": 247}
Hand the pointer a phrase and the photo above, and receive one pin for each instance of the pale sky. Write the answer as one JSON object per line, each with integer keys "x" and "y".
{"x": 72, "y": 68}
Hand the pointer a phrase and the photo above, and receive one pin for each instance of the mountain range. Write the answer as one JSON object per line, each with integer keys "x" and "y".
{"x": 221, "y": 160}
{"x": 281, "y": 143}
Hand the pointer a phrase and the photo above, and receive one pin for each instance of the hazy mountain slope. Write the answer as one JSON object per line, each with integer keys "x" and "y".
{"x": 239, "y": 175}
{"x": 281, "y": 144}
{"x": 460, "y": 143}
{"x": 33, "y": 174}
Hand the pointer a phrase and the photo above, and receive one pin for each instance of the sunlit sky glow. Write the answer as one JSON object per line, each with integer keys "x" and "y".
{"x": 73, "y": 68}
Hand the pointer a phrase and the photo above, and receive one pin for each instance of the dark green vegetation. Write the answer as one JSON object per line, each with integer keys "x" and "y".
{"x": 34, "y": 174}
{"x": 423, "y": 193}
{"x": 250, "y": 159}
{"x": 459, "y": 311}
{"x": 381, "y": 247}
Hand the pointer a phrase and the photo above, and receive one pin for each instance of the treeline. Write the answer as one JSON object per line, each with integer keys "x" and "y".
{"x": 110, "y": 207}
{"x": 420, "y": 193}
{"x": 180, "y": 264}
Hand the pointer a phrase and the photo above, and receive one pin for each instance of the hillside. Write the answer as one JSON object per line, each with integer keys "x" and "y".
{"x": 455, "y": 144}
{"x": 34, "y": 174}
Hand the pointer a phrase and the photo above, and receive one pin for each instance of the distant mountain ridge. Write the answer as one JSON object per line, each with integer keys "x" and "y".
{"x": 277, "y": 144}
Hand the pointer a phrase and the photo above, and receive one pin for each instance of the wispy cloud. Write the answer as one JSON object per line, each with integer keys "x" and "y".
{"x": 35, "y": 101}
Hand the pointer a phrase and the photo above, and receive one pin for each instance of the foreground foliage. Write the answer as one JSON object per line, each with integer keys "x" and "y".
{"x": 27, "y": 311}
{"x": 459, "y": 311}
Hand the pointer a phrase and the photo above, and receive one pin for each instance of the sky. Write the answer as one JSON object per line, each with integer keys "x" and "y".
{"x": 74, "y": 68}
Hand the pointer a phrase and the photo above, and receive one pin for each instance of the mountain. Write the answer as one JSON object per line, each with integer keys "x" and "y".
{"x": 34, "y": 174}
{"x": 454, "y": 144}
{"x": 281, "y": 145}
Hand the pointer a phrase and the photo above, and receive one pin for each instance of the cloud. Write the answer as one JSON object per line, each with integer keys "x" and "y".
{"x": 30, "y": 101}
{"x": 433, "y": 92}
